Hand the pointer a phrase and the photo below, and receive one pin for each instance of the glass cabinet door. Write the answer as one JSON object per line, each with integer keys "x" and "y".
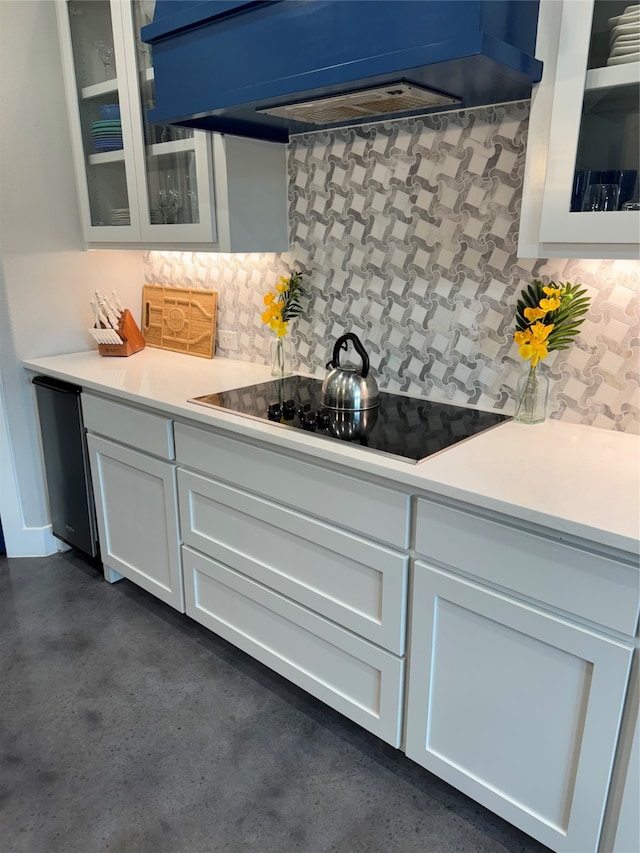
{"x": 591, "y": 186}
{"x": 109, "y": 207}
{"x": 175, "y": 187}
{"x": 607, "y": 160}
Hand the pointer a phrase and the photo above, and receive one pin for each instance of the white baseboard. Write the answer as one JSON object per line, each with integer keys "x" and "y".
{"x": 32, "y": 542}
{"x": 19, "y": 540}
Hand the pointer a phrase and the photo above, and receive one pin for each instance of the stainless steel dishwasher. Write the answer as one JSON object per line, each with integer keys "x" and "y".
{"x": 66, "y": 462}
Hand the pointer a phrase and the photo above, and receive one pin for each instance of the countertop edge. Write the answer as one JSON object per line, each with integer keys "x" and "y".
{"x": 406, "y": 474}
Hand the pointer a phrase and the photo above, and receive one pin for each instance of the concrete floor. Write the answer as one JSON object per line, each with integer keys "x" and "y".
{"x": 126, "y": 727}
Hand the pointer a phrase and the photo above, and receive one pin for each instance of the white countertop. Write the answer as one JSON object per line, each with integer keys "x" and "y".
{"x": 576, "y": 480}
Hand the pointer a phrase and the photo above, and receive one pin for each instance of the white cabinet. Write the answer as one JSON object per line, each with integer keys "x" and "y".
{"x": 136, "y": 498}
{"x": 516, "y": 693}
{"x": 366, "y": 506}
{"x": 94, "y": 67}
{"x": 279, "y": 559}
{"x": 357, "y": 678}
{"x": 514, "y": 707}
{"x": 522, "y": 687}
{"x": 357, "y": 583}
{"x": 149, "y": 185}
{"x": 577, "y": 581}
{"x": 583, "y": 129}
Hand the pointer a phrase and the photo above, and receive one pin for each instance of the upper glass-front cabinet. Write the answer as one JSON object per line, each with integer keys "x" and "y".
{"x": 147, "y": 184}
{"x": 96, "y": 68}
{"x": 583, "y": 157}
{"x": 137, "y": 182}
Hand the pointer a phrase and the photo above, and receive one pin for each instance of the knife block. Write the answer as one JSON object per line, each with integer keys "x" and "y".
{"x": 132, "y": 340}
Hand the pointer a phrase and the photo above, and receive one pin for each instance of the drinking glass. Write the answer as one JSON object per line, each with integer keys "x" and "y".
{"x": 625, "y": 179}
{"x": 601, "y": 197}
{"x": 581, "y": 181}
{"x": 105, "y": 54}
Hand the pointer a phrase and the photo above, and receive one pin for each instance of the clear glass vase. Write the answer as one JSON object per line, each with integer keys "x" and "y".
{"x": 280, "y": 357}
{"x": 532, "y": 397}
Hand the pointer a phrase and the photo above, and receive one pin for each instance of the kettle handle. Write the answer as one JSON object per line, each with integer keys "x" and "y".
{"x": 342, "y": 343}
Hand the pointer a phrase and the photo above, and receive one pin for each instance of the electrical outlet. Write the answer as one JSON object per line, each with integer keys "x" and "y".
{"x": 228, "y": 340}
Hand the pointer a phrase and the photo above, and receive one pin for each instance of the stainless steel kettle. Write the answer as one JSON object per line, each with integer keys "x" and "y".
{"x": 347, "y": 388}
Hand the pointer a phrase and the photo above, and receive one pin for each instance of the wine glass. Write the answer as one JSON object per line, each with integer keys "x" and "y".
{"x": 105, "y": 54}
{"x": 169, "y": 201}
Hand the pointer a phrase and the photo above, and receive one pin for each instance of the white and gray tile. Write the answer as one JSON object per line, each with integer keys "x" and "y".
{"x": 408, "y": 231}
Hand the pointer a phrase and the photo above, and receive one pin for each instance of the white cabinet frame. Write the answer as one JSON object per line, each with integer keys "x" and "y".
{"x": 100, "y": 233}
{"x": 548, "y": 228}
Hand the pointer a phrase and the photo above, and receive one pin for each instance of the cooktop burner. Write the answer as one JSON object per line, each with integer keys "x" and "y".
{"x": 410, "y": 428}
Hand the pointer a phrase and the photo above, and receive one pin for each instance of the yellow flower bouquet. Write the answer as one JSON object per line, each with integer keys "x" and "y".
{"x": 282, "y": 305}
{"x": 548, "y": 318}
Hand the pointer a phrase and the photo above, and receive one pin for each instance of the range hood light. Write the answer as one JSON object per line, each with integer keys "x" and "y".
{"x": 367, "y": 103}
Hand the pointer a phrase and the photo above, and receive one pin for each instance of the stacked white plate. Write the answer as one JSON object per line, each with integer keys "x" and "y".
{"x": 624, "y": 40}
{"x": 120, "y": 216}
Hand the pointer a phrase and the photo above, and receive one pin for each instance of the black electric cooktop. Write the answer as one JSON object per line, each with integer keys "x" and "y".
{"x": 409, "y": 428}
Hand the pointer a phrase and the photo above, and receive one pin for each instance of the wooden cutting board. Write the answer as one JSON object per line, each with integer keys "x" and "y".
{"x": 180, "y": 320}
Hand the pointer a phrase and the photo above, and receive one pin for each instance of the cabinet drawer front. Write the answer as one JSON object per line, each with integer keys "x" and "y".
{"x": 367, "y": 508}
{"x": 358, "y": 679}
{"x": 518, "y": 709}
{"x": 590, "y": 586}
{"x": 360, "y": 585}
{"x": 151, "y": 433}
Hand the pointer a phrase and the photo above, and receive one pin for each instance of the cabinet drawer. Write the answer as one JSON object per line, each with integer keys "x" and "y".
{"x": 148, "y": 432}
{"x": 368, "y": 508}
{"x": 588, "y": 585}
{"x": 356, "y": 583}
{"x": 358, "y": 679}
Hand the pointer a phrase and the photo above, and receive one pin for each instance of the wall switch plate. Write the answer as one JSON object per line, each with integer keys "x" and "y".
{"x": 227, "y": 340}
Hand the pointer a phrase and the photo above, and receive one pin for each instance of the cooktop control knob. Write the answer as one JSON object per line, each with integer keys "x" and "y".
{"x": 323, "y": 419}
{"x": 289, "y": 410}
{"x": 308, "y": 421}
{"x": 302, "y": 410}
{"x": 274, "y": 412}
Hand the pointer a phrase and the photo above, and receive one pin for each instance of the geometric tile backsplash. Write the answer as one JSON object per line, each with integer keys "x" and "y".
{"x": 408, "y": 234}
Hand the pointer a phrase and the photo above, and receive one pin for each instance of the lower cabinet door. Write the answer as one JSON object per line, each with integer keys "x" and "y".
{"x": 358, "y": 679}
{"x": 515, "y": 707}
{"x": 136, "y": 505}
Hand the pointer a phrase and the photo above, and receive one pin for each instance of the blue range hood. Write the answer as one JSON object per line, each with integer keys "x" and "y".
{"x": 270, "y": 68}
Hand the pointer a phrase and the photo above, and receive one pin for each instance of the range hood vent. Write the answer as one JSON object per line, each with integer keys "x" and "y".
{"x": 371, "y": 103}
{"x": 266, "y": 69}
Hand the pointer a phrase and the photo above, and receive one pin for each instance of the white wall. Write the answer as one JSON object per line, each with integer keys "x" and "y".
{"x": 46, "y": 279}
